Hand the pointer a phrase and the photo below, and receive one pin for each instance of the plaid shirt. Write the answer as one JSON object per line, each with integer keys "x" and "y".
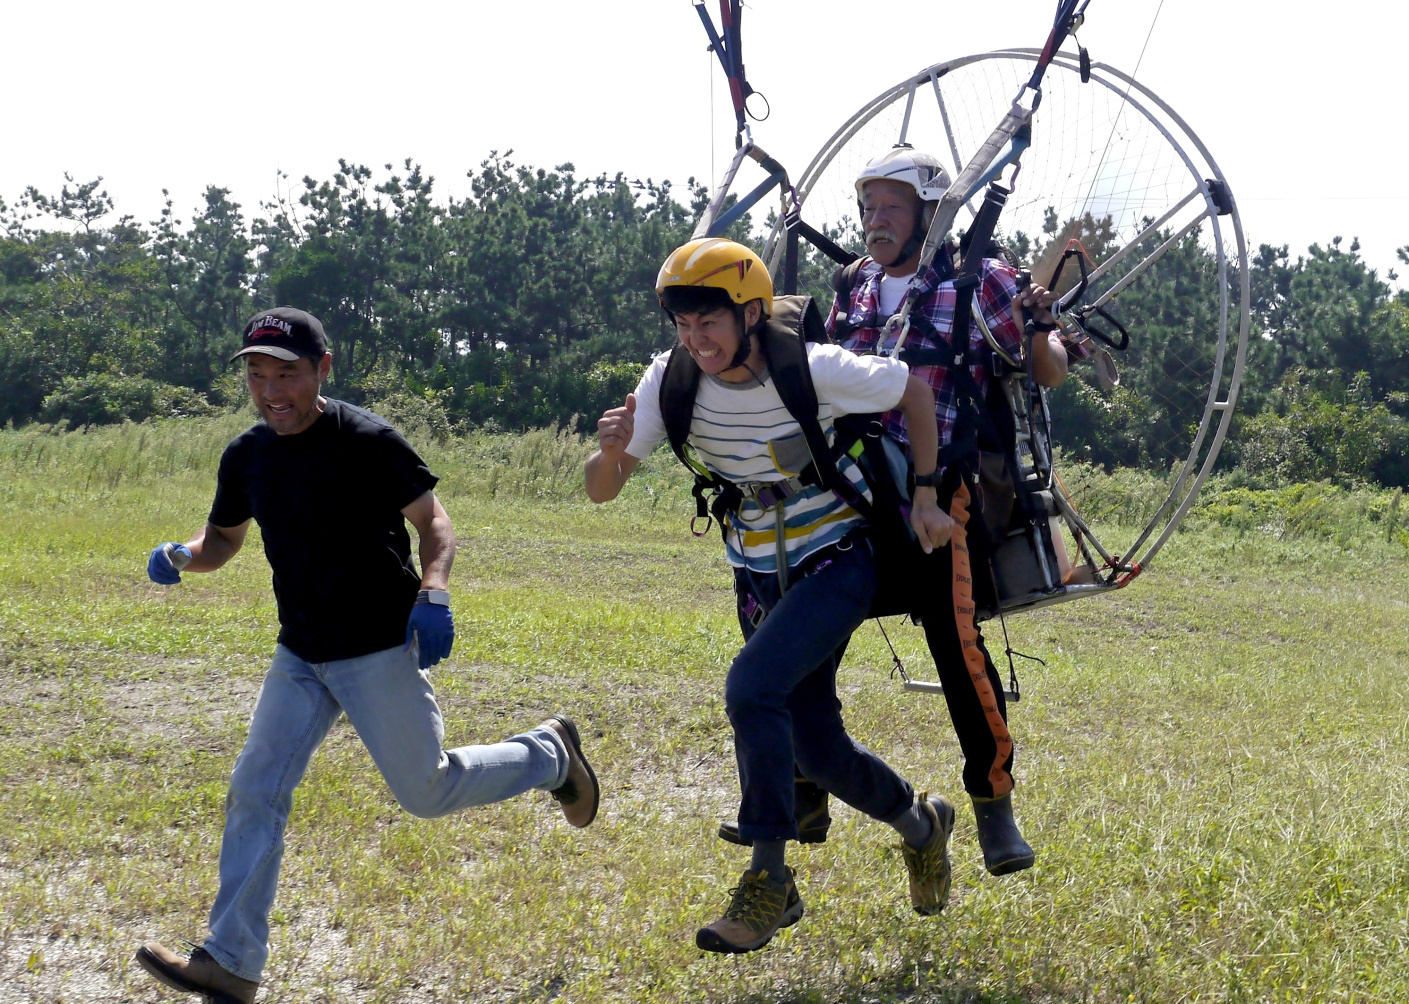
{"x": 935, "y": 303}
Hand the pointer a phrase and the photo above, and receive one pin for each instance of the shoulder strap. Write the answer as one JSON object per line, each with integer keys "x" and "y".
{"x": 799, "y": 315}
{"x": 785, "y": 339}
{"x": 966, "y": 281}
{"x": 677, "y": 398}
{"x": 678, "y": 387}
{"x": 843, "y": 282}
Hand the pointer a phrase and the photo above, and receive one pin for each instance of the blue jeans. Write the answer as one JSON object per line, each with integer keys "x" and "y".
{"x": 781, "y": 697}
{"x": 392, "y": 706}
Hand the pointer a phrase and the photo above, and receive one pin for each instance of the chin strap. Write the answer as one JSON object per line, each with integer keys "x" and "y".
{"x": 741, "y": 355}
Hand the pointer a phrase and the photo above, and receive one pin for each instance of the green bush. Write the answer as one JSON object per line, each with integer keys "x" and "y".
{"x": 420, "y": 416}
{"x": 605, "y": 385}
{"x": 1322, "y": 430}
{"x": 109, "y": 398}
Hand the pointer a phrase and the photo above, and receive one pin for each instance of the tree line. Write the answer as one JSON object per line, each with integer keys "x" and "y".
{"x": 529, "y": 303}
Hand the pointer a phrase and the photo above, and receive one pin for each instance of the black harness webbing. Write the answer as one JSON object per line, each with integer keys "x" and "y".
{"x": 784, "y": 339}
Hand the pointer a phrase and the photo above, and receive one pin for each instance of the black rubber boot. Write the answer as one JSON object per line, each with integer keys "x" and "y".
{"x": 1004, "y": 849}
{"x": 809, "y": 809}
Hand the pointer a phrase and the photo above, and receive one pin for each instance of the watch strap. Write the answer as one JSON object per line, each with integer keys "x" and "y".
{"x": 437, "y": 597}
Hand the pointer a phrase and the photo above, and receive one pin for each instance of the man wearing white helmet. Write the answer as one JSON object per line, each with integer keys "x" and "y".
{"x": 898, "y": 194}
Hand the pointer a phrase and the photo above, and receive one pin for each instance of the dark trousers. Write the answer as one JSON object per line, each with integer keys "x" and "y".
{"x": 781, "y": 696}
{"x": 972, "y": 687}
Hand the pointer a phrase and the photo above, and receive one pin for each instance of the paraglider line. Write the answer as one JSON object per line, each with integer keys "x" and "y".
{"x": 1125, "y": 98}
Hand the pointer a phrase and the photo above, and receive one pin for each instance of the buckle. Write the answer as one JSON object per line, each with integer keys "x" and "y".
{"x": 770, "y": 493}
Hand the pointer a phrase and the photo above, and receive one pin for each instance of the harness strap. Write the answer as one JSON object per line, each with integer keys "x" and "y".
{"x": 767, "y": 494}
{"x": 729, "y": 49}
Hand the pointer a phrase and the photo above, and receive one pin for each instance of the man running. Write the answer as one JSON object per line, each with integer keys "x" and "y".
{"x": 801, "y": 596}
{"x": 332, "y": 488}
{"x": 898, "y": 193}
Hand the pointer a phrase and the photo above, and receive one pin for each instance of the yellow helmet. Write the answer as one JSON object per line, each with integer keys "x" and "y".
{"x": 720, "y": 264}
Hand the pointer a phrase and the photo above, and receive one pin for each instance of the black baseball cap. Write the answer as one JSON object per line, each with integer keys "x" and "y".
{"x": 284, "y": 333}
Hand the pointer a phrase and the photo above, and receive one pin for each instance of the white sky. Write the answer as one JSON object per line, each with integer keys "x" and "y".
{"x": 1299, "y": 103}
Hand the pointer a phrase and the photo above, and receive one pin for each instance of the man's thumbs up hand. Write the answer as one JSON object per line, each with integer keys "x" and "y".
{"x": 616, "y": 427}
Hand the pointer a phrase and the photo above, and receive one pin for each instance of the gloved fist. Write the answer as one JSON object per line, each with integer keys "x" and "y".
{"x": 160, "y": 568}
{"x": 432, "y": 628}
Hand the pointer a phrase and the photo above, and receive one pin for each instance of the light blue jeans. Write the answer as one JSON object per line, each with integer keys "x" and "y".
{"x": 392, "y": 706}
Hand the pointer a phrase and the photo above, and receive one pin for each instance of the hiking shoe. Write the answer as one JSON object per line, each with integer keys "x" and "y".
{"x": 1004, "y": 849}
{"x": 198, "y": 974}
{"x": 929, "y": 865}
{"x": 809, "y": 809}
{"x": 757, "y": 910}
{"x": 579, "y": 795}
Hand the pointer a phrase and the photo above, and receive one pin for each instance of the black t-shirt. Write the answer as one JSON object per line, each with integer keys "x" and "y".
{"x": 328, "y": 502}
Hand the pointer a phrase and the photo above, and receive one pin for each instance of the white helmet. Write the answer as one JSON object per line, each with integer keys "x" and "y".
{"x": 905, "y": 164}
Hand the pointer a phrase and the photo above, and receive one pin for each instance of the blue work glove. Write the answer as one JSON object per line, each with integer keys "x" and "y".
{"x": 161, "y": 569}
{"x": 432, "y": 628}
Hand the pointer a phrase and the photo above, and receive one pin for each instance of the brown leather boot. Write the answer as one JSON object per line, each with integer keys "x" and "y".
{"x": 199, "y": 974}
{"x": 579, "y": 795}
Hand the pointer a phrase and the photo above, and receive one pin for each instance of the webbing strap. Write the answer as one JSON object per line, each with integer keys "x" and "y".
{"x": 729, "y": 49}
{"x": 821, "y": 241}
{"x": 980, "y": 232}
{"x": 970, "y": 398}
{"x": 1014, "y": 132}
{"x": 1070, "y": 14}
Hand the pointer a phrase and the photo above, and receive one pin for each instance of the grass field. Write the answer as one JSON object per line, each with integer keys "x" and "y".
{"x": 1212, "y": 764}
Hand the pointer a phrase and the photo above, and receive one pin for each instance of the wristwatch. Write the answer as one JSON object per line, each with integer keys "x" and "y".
{"x": 930, "y": 480}
{"x": 438, "y": 597}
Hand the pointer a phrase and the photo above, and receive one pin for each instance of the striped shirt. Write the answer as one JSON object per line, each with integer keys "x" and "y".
{"x": 743, "y": 433}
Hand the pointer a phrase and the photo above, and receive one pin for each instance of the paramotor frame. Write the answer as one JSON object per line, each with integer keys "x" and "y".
{"x": 1176, "y": 196}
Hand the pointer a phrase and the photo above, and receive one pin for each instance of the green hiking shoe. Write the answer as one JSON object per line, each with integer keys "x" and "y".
{"x": 809, "y": 809}
{"x": 757, "y": 910}
{"x": 928, "y": 866}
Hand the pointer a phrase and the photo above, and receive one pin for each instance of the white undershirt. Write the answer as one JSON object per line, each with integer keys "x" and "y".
{"x": 893, "y": 289}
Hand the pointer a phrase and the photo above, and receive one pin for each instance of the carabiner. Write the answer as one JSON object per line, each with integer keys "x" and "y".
{"x": 899, "y": 338}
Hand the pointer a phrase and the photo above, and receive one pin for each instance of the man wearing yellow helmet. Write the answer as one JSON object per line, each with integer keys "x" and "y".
{"x": 804, "y": 569}
{"x": 897, "y": 194}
